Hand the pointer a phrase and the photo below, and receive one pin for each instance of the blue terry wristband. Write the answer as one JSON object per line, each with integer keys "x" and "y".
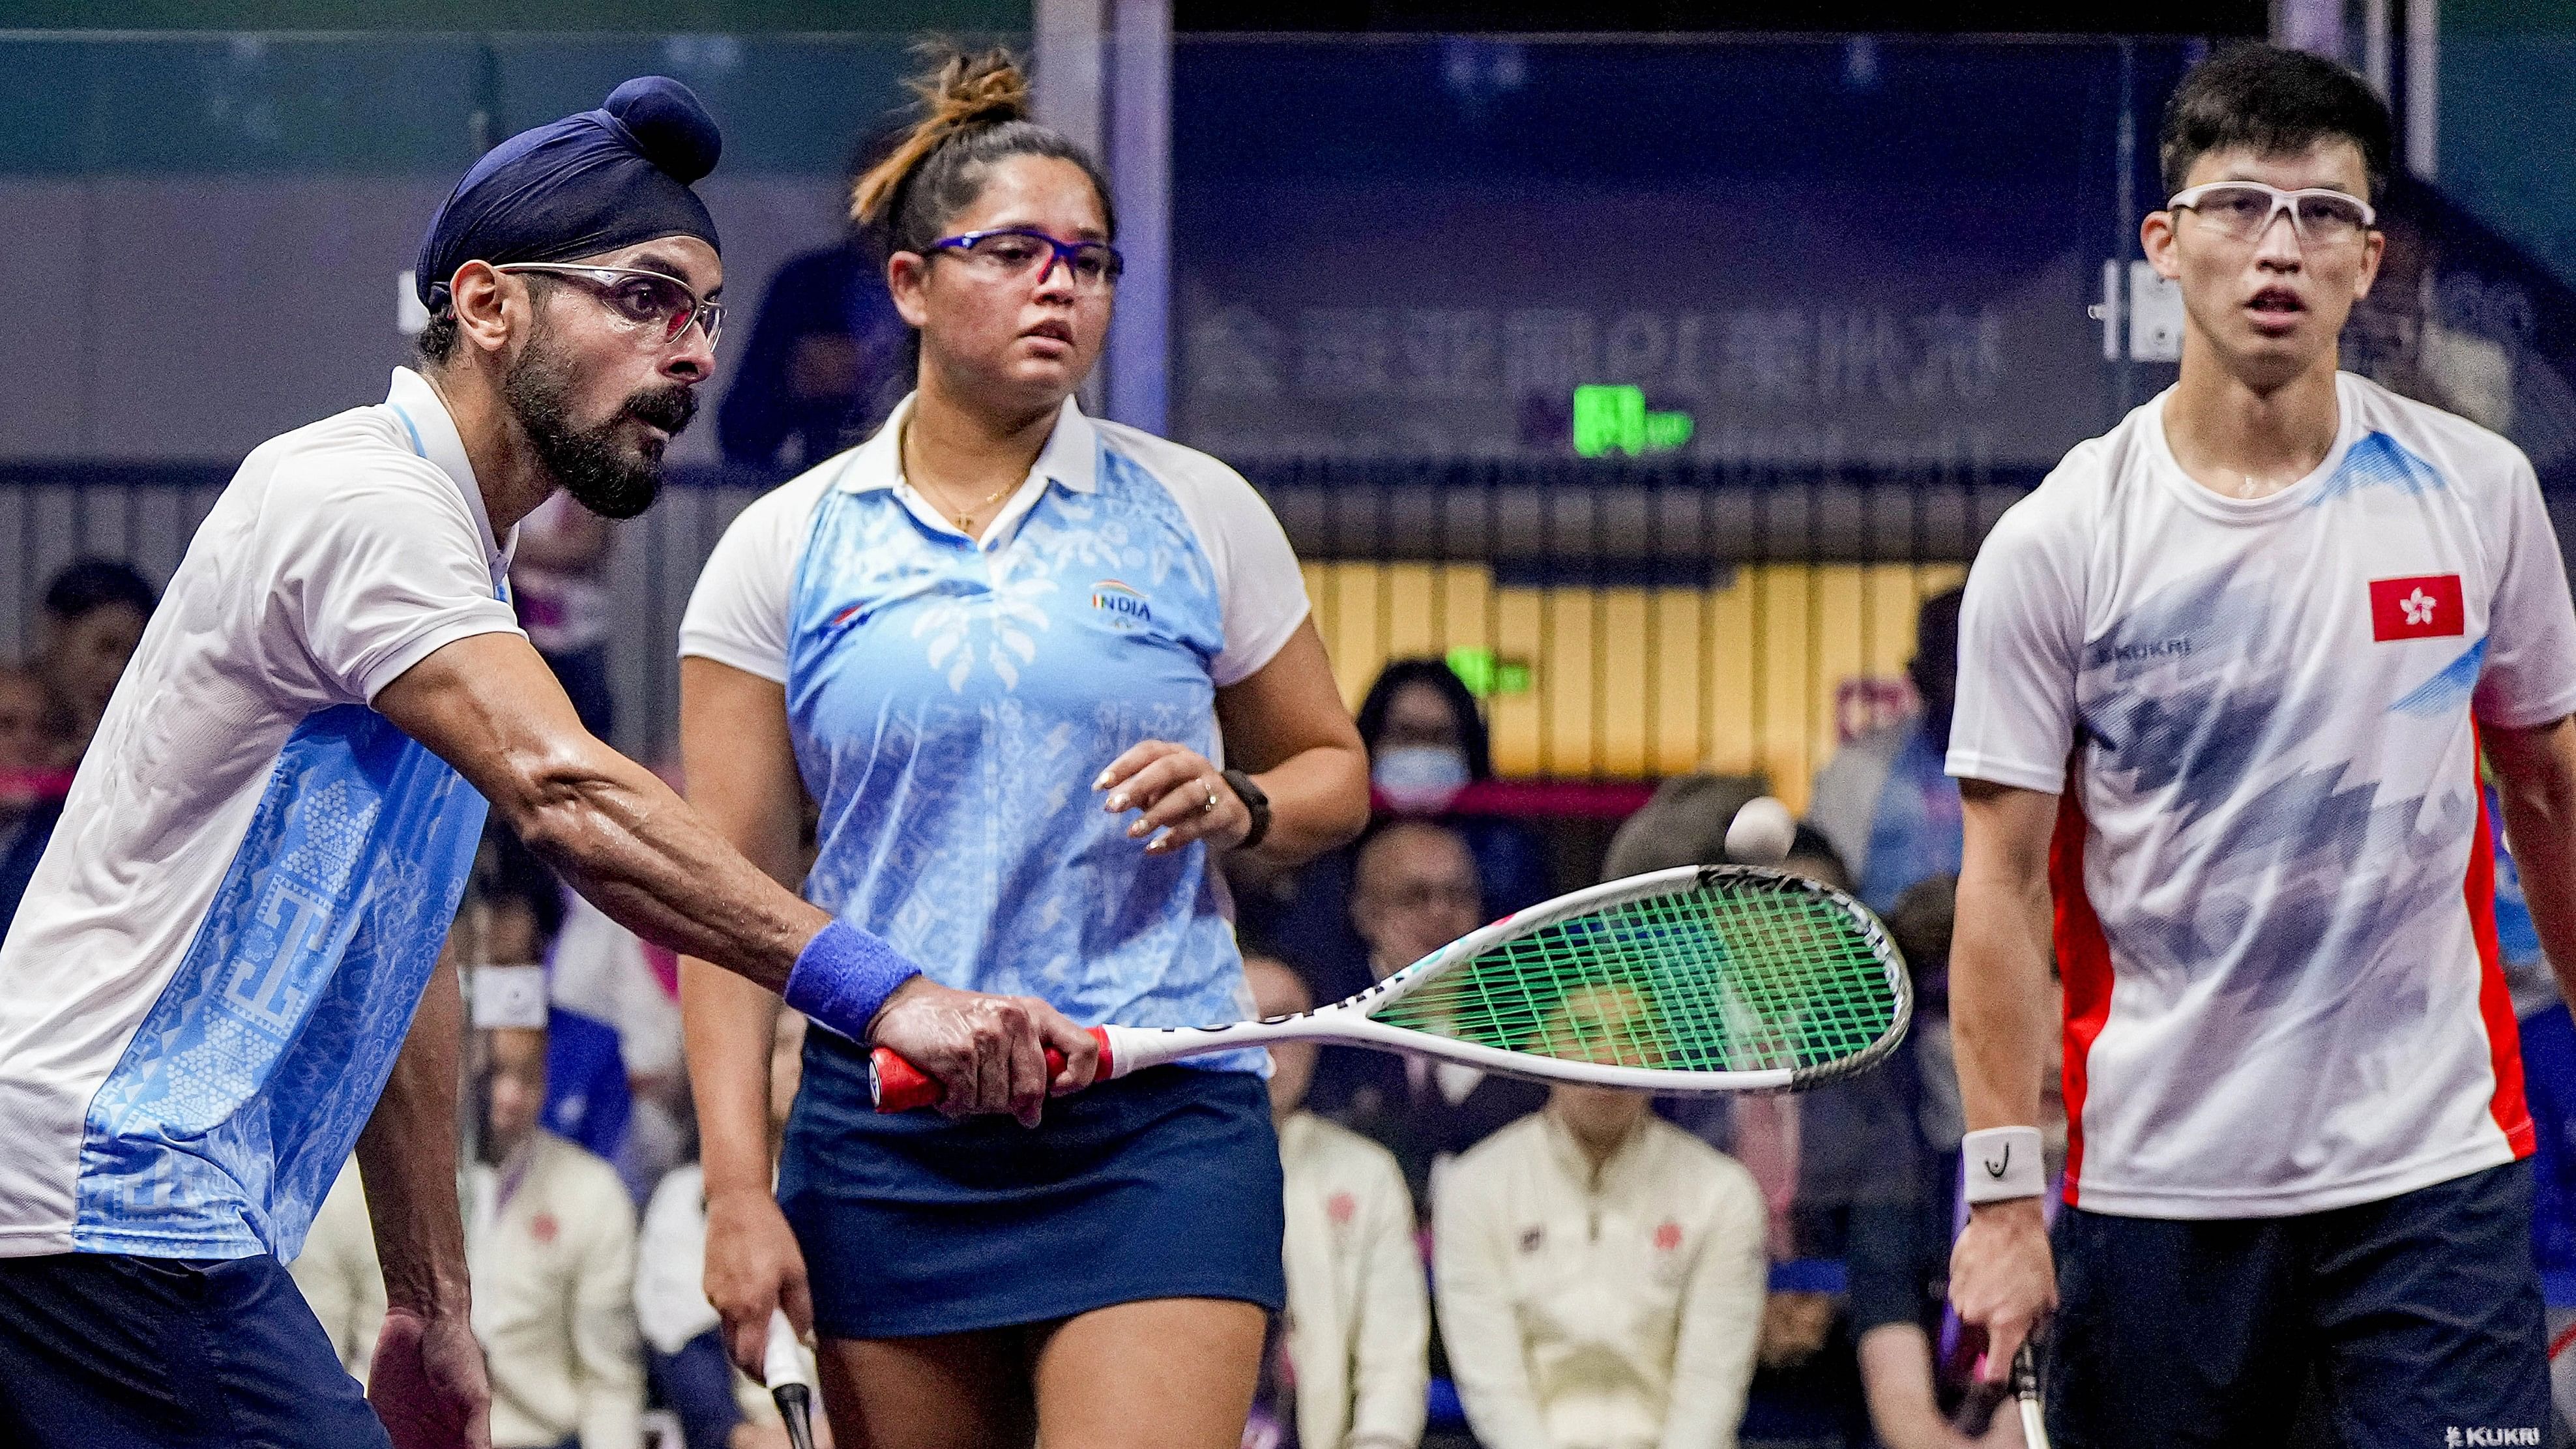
{"x": 843, "y": 977}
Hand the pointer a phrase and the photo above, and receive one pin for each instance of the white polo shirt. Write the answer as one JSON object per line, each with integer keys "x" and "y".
{"x": 2275, "y": 906}
{"x": 218, "y": 957}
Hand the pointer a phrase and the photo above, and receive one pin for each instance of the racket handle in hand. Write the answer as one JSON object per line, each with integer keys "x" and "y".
{"x": 1977, "y": 1410}
{"x": 783, "y": 1369}
{"x": 899, "y": 1086}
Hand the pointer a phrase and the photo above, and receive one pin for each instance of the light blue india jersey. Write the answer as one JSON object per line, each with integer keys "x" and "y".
{"x": 217, "y": 960}
{"x": 951, "y": 702}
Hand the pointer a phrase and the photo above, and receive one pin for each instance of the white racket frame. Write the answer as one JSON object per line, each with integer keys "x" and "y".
{"x": 1134, "y": 1048}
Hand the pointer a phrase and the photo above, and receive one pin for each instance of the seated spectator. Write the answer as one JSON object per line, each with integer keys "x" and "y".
{"x": 94, "y": 614}
{"x": 32, "y": 783}
{"x": 1885, "y": 802}
{"x": 1415, "y": 891}
{"x": 621, "y": 993}
{"x": 340, "y": 1276}
{"x": 1600, "y": 1280}
{"x": 828, "y": 357}
{"x": 684, "y": 1355}
{"x": 550, "y": 1239}
{"x": 1359, "y": 1316}
{"x": 1426, "y": 742}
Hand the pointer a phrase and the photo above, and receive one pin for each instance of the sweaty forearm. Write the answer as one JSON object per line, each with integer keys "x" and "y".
{"x": 628, "y": 844}
{"x": 407, "y": 1160}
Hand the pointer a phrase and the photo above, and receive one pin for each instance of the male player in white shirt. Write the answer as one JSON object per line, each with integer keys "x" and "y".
{"x": 2224, "y": 679}
{"x": 216, "y": 968}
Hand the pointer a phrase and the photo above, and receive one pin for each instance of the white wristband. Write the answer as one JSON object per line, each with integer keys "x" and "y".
{"x": 2003, "y": 1162}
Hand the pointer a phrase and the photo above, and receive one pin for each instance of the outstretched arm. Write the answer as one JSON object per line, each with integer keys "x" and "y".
{"x": 488, "y": 705}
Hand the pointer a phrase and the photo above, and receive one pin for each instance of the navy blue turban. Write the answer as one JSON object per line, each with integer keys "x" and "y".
{"x": 580, "y": 186}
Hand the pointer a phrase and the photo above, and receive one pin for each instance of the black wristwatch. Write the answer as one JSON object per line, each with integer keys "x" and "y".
{"x": 1253, "y": 800}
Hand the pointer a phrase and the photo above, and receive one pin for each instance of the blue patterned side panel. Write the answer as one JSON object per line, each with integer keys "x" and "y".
{"x": 244, "y": 1089}
{"x": 2380, "y": 461}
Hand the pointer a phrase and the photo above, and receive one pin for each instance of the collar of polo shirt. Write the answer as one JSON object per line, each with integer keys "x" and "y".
{"x": 1071, "y": 456}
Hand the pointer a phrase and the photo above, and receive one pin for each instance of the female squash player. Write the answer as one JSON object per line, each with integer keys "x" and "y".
{"x": 1009, "y": 650}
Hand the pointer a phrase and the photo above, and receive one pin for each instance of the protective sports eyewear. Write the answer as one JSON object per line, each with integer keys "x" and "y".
{"x": 661, "y": 305}
{"x": 1016, "y": 253}
{"x": 2243, "y": 211}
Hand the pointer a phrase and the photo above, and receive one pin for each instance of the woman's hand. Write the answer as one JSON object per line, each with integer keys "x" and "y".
{"x": 753, "y": 1268}
{"x": 1179, "y": 793}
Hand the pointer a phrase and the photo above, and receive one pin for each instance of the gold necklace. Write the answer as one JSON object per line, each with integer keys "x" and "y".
{"x": 966, "y": 520}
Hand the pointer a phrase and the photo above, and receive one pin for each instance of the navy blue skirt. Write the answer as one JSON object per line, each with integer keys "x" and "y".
{"x": 1165, "y": 1184}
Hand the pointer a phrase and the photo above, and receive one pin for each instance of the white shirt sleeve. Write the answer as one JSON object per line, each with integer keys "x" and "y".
{"x": 1390, "y": 1357}
{"x": 374, "y": 573}
{"x": 2021, "y": 642}
{"x": 2529, "y": 677}
{"x": 737, "y": 615}
{"x": 1261, "y": 589}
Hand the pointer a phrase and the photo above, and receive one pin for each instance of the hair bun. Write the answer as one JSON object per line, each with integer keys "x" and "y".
{"x": 670, "y": 125}
{"x": 976, "y": 90}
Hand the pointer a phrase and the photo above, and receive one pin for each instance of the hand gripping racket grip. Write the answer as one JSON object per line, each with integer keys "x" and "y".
{"x": 783, "y": 1369}
{"x": 899, "y": 1086}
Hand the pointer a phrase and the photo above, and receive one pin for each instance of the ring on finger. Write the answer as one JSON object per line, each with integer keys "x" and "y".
{"x": 1211, "y": 799}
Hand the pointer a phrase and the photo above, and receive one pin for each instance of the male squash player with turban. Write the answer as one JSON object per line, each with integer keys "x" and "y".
{"x": 225, "y": 972}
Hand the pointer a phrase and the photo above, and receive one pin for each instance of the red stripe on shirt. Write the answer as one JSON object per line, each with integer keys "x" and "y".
{"x": 2083, "y": 964}
{"x": 2495, "y": 1002}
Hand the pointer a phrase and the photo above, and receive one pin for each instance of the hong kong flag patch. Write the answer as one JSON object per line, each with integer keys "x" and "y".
{"x": 2424, "y": 607}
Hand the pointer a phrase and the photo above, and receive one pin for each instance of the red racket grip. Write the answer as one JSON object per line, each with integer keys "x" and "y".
{"x": 899, "y": 1086}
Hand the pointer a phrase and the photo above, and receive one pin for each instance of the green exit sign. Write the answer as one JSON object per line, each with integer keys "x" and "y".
{"x": 1487, "y": 674}
{"x": 1612, "y": 418}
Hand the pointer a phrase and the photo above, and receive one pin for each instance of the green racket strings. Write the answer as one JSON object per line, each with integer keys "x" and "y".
{"x": 1705, "y": 979}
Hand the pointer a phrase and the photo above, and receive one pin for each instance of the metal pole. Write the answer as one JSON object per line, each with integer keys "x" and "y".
{"x": 2423, "y": 87}
{"x": 1140, "y": 173}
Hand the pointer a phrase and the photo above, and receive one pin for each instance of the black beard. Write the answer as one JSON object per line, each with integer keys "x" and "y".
{"x": 589, "y": 463}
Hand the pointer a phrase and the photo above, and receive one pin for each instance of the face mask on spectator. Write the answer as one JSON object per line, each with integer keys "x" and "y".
{"x": 1419, "y": 777}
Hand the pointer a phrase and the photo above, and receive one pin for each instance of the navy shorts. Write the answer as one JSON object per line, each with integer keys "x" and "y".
{"x": 1165, "y": 1184}
{"x": 107, "y": 1351}
{"x": 2403, "y": 1320}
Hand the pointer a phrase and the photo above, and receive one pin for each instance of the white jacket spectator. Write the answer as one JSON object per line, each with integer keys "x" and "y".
{"x": 339, "y": 1274}
{"x": 1359, "y": 1314}
{"x": 1599, "y": 1297}
{"x": 554, "y": 1299}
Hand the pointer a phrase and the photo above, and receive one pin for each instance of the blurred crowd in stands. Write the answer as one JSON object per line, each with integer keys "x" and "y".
{"x": 1472, "y": 1259}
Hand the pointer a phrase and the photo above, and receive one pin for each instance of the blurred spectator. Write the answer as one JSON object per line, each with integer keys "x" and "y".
{"x": 1886, "y": 803}
{"x": 684, "y": 1357}
{"x": 558, "y": 580}
{"x": 1600, "y": 1277}
{"x": 1415, "y": 891}
{"x": 550, "y": 1238}
{"x": 617, "y": 1025}
{"x": 1427, "y": 742}
{"x": 94, "y": 614}
{"x": 32, "y": 784}
{"x": 1357, "y": 1340}
{"x": 340, "y": 1276}
{"x": 828, "y": 356}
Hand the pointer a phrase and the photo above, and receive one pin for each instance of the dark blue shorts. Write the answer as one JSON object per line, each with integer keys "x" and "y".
{"x": 107, "y": 1351}
{"x": 1161, "y": 1185}
{"x": 2401, "y": 1320}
